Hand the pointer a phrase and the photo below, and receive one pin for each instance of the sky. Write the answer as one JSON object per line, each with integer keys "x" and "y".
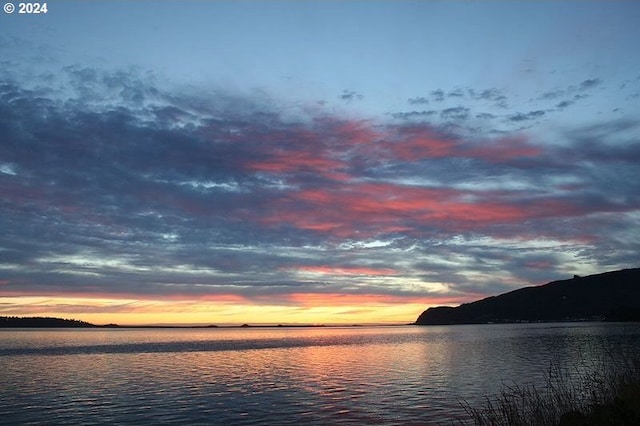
{"x": 316, "y": 162}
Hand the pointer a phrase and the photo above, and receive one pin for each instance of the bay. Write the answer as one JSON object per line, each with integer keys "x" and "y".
{"x": 323, "y": 375}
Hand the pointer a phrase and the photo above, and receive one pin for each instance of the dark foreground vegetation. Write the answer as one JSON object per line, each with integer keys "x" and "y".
{"x": 611, "y": 296}
{"x": 607, "y": 395}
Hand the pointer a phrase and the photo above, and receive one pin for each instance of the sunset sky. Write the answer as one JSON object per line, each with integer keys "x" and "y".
{"x": 314, "y": 161}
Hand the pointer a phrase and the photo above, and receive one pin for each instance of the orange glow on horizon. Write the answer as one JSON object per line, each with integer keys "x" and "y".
{"x": 288, "y": 309}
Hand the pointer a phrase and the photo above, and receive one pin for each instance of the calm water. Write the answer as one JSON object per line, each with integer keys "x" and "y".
{"x": 358, "y": 375}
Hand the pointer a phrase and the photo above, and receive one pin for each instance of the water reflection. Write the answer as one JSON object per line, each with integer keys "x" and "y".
{"x": 251, "y": 376}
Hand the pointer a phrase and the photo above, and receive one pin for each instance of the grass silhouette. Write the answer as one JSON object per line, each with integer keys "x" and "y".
{"x": 606, "y": 392}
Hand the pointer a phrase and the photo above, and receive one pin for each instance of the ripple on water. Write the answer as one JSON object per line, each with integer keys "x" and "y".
{"x": 348, "y": 376}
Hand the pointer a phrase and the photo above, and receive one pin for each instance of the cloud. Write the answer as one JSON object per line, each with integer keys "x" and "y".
{"x": 564, "y": 104}
{"x": 437, "y": 95}
{"x": 553, "y": 95}
{"x": 492, "y": 94}
{"x": 457, "y": 116}
{"x": 413, "y": 114}
{"x": 419, "y": 100}
{"x": 455, "y": 113}
{"x": 571, "y": 94}
{"x": 350, "y": 96}
{"x": 115, "y": 186}
{"x": 590, "y": 83}
{"x": 344, "y": 270}
{"x": 531, "y": 115}
{"x": 485, "y": 116}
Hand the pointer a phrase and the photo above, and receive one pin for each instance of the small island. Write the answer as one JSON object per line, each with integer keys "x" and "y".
{"x": 43, "y": 322}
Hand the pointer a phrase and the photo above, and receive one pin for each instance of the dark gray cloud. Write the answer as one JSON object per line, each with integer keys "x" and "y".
{"x": 531, "y": 115}
{"x": 494, "y": 95}
{"x": 486, "y": 116}
{"x": 350, "y": 96}
{"x": 455, "y": 116}
{"x": 590, "y": 83}
{"x": 437, "y": 95}
{"x": 455, "y": 113}
{"x": 553, "y": 95}
{"x": 491, "y": 94}
{"x": 564, "y": 104}
{"x": 413, "y": 114}
{"x": 418, "y": 100}
{"x": 569, "y": 101}
{"x": 571, "y": 94}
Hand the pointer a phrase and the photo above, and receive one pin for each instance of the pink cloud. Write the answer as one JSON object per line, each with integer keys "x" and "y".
{"x": 367, "y": 209}
{"x": 298, "y": 161}
{"x": 421, "y": 144}
{"x": 345, "y": 270}
{"x": 332, "y": 148}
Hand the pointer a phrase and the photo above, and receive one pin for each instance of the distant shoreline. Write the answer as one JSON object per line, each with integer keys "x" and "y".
{"x": 49, "y": 322}
{"x": 60, "y": 323}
